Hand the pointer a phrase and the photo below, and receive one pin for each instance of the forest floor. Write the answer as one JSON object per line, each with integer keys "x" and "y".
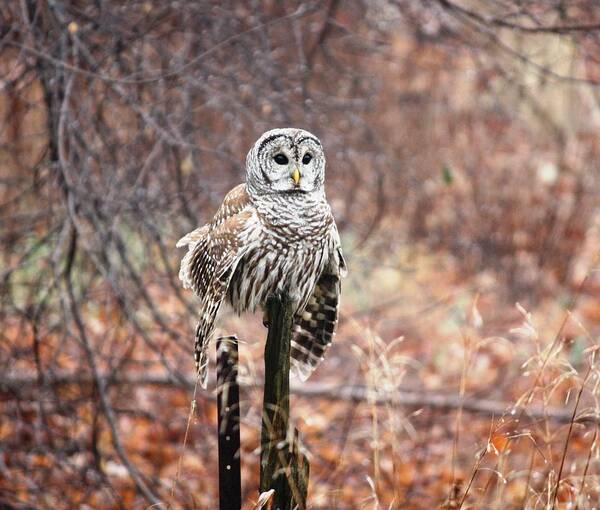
{"x": 437, "y": 392}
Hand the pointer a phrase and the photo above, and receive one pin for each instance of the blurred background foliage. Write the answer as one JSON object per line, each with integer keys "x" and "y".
{"x": 462, "y": 145}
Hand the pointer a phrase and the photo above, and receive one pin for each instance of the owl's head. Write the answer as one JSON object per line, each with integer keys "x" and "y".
{"x": 286, "y": 160}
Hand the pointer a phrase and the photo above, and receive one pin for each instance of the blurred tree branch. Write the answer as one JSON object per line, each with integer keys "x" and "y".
{"x": 502, "y": 21}
{"x": 25, "y": 388}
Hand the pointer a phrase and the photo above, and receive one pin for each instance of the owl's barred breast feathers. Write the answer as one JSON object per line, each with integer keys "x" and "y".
{"x": 273, "y": 234}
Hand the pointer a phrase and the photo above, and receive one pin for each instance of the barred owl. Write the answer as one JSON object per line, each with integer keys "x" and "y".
{"x": 273, "y": 234}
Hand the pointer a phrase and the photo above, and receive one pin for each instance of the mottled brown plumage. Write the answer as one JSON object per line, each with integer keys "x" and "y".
{"x": 273, "y": 234}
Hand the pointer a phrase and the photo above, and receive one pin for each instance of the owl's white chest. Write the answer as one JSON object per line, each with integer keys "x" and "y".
{"x": 275, "y": 265}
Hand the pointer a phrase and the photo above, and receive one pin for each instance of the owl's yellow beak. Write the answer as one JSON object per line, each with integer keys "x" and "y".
{"x": 296, "y": 176}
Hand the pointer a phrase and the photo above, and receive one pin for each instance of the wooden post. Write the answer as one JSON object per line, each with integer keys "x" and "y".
{"x": 282, "y": 468}
{"x": 228, "y": 405}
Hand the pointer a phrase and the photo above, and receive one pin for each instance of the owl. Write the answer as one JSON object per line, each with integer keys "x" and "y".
{"x": 273, "y": 234}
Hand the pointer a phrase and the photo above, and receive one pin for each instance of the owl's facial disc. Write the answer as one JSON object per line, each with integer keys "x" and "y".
{"x": 286, "y": 161}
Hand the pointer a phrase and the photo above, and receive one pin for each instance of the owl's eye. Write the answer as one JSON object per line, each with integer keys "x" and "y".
{"x": 281, "y": 159}
{"x": 306, "y": 159}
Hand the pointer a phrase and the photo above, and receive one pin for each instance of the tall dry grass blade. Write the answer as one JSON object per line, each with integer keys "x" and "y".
{"x": 570, "y": 431}
{"x": 185, "y": 437}
{"x": 585, "y": 470}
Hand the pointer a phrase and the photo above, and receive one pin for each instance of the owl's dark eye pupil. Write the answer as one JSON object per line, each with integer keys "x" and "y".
{"x": 306, "y": 159}
{"x": 281, "y": 159}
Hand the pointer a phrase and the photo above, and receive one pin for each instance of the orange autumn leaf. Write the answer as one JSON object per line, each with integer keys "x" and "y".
{"x": 499, "y": 442}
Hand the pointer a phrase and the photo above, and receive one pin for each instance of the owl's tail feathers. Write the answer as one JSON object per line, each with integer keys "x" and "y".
{"x": 315, "y": 327}
{"x": 204, "y": 330}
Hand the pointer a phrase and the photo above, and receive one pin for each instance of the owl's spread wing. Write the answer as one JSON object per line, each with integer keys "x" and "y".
{"x": 234, "y": 203}
{"x": 315, "y": 326}
{"x": 213, "y": 254}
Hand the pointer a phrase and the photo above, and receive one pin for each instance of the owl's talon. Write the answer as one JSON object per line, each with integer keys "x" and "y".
{"x": 266, "y": 319}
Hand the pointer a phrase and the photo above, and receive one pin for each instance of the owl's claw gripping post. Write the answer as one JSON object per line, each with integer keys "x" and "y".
{"x": 266, "y": 319}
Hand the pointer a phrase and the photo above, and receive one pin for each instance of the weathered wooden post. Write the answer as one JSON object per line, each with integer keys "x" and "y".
{"x": 228, "y": 407}
{"x": 282, "y": 468}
